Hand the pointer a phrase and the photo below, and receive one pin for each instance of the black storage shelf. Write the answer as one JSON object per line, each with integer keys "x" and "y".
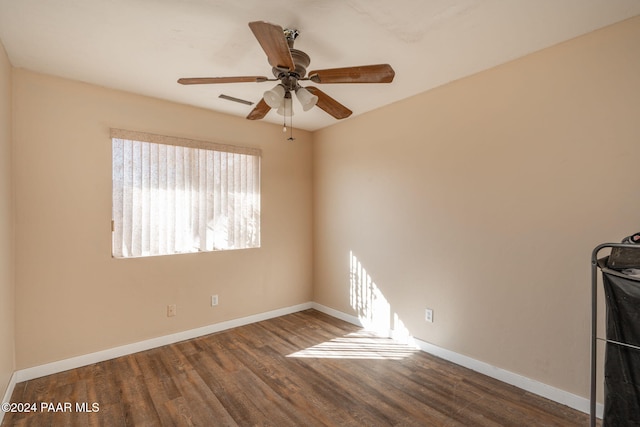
{"x": 622, "y": 356}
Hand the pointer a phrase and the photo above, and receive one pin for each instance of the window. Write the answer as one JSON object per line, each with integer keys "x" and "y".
{"x": 173, "y": 195}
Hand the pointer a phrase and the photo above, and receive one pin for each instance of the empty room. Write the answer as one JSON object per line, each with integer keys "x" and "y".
{"x": 218, "y": 212}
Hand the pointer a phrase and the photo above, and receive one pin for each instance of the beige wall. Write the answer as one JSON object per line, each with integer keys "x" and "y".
{"x": 7, "y": 300}
{"x": 72, "y": 298}
{"x": 482, "y": 200}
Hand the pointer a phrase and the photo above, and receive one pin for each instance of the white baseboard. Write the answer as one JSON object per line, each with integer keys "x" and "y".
{"x": 560, "y": 396}
{"x": 552, "y": 393}
{"x": 100, "y": 356}
{"x": 8, "y": 392}
{"x": 337, "y": 314}
{"x": 533, "y": 386}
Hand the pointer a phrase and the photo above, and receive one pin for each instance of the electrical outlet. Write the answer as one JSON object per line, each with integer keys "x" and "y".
{"x": 214, "y": 300}
{"x": 428, "y": 315}
{"x": 171, "y": 310}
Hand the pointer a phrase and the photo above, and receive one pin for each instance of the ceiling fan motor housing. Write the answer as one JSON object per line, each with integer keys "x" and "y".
{"x": 289, "y": 78}
{"x": 301, "y": 61}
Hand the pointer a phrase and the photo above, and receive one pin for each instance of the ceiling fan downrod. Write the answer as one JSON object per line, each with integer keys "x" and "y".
{"x": 291, "y": 35}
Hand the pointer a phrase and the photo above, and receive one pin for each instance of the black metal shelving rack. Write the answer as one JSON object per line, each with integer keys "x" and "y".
{"x": 595, "y": 265}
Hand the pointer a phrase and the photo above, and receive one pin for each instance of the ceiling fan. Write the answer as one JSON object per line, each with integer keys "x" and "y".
{"x": 290, "y": 68}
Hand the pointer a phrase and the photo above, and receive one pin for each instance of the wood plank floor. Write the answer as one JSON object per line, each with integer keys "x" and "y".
{"x": 303, "y": 369}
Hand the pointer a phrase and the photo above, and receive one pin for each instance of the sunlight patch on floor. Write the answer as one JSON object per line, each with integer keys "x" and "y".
{"x": 359, "y": 345}
{"x": 374, "y": 312}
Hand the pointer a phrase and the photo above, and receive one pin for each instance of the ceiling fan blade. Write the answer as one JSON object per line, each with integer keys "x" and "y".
{"x": 380, "y": 73}
{"x": 330, "y": 105}
{"x": 271, "y": 38}
{"x": 259, "y": 111}
{"x": 211, "y": 80}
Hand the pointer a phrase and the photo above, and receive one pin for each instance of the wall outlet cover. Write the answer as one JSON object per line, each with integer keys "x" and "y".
{"x": 428, "y": 315}
{"x": 171, "y": 310}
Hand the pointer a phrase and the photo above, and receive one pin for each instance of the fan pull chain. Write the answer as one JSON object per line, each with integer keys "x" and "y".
{"x": 284, "y": 123}
{"x": 291, "y": 138}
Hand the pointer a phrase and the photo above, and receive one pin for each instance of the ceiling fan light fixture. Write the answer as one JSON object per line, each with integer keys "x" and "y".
{"x": 306, "y": 98}
{"x": 274, "y": 97}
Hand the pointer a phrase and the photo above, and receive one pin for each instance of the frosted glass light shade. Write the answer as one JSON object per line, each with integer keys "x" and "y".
{"x": 306, "y": 98}
{"x": 274, "y": 97}
{"x": 286, "y": 108}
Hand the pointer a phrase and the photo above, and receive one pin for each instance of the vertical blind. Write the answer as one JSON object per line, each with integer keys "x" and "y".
{"x": 174, "y": 195}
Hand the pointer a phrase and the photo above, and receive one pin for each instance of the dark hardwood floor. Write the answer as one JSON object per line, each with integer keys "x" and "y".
{"x": 303, "y": 369}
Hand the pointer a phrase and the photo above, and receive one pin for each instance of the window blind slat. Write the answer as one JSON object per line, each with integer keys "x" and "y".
{"x": 145, "y": 198}
{"x": 118, "y": 196}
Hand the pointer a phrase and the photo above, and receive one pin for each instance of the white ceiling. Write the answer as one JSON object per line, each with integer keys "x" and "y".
{"x": 144, "y": 46}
